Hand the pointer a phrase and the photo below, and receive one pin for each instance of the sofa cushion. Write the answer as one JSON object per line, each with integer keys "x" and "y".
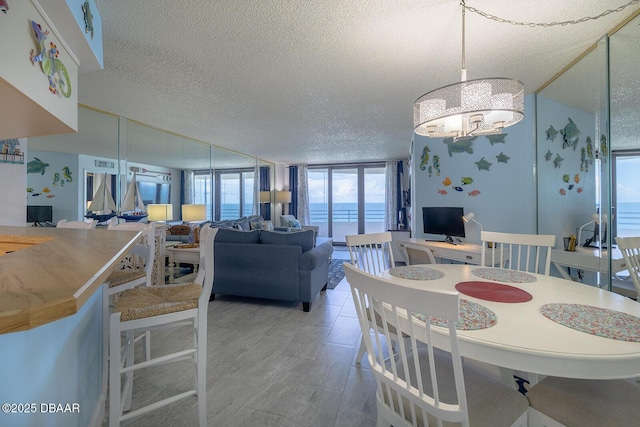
{"x": 304, "y": 239}
{"x": 230, "y": 235}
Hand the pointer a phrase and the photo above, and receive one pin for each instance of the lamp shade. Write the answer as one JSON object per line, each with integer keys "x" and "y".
{"x": 468, "y": 217}
{"x": 283, "y": 196}
{"x": 160, "y": 212}
{"x": 194, "y": 212}
{"x": 473, "y": 107}
{"x": 265, "y": 196}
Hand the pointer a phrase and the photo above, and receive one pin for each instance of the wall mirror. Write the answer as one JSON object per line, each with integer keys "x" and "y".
{"x": 167, "y": 168}
{"x": 598, "y": 94}
{"x": 572, "y": 178}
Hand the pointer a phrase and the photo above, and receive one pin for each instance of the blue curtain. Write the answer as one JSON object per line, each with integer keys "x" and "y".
{"x": 293, "y": 187}
{"x": 265, "y": 185}
{"x": 401, "y": 191}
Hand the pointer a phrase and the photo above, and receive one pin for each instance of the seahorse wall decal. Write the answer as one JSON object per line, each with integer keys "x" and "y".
{"x": 52, "y": 67}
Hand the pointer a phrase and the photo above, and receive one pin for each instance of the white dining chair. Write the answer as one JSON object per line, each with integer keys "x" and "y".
{"x": 63, "y": 223}
{"x": 426, "y": 385}
{"x": 522, "y": 252}
{"x": 416, "y": 254}
{"x": 157, "y": 308}
{"x": 371, "y": 253}
{"x": 630, "y": 248}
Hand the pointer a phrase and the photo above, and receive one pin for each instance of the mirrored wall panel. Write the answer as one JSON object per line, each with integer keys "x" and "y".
{"x": 140, "y": 166}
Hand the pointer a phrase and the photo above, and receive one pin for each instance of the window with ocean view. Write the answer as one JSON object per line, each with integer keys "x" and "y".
{"x": 347, "y": 200}
{"x": 626, "y": 195}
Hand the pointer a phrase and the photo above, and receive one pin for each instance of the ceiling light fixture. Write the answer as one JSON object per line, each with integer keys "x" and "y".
{"x": 471, "y": 107}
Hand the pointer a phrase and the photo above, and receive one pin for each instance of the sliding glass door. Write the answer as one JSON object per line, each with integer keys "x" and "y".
{"x": 234, "y": 194}
{"x": 626, "y": 194}
{"x": 347, "y": 200}
{"x": 345, "y": 206}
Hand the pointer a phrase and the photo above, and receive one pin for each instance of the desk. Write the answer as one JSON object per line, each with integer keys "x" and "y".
{"x": 463, "y": 252}
{"x": 186, "y": 255}
{"x": 525, "y": 340}
{"x": 591, "y": 259}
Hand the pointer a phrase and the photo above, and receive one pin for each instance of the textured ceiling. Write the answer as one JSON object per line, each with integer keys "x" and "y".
{"x": 312, "y": 81}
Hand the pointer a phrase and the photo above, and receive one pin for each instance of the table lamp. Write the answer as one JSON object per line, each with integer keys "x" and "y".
{"x": 194, "y": 212}
{"x": 470, "y": 217}
{"x": 265, "y": 196}
{"x": 283, "y": 197}
{"x": 160, "y": 212}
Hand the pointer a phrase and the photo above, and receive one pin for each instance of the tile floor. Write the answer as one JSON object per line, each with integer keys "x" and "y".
{"x": 269, "y": 364}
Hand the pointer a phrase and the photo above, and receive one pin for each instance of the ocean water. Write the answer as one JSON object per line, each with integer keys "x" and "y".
{"x": 342, "y": 212}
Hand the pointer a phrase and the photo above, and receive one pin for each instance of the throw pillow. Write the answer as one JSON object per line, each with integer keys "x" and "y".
{"x": 295, "y": 224}
{"x": 262, "y": 225}
{"x": 243, "y": 224}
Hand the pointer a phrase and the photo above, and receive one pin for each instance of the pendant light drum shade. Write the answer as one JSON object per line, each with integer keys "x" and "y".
{"x": 471, "y": 107}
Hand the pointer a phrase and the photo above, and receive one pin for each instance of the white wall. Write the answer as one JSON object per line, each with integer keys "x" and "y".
{"x": 53, "y": 187}
{"x": 506, "y": 192}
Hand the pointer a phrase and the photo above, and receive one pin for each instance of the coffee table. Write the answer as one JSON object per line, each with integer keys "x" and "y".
{"x": 188, "y": 255}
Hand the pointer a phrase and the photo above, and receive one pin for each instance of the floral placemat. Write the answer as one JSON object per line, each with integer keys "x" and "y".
{"x": 595, "y": 320}
{"x": 416, "y": 273}
{"x": 471, "y": 316}
{"x": 503, "y": 275}
{"x": 491, "y": 291}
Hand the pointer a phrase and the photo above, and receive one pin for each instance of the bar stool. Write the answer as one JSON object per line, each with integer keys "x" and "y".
{"x": 154, "y": 308}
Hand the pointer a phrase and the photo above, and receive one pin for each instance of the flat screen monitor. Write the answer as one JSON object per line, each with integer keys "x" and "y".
{"x": 443, "y": 220}
{"x": 39, "y": 214}
{"x": 154, "y": 193}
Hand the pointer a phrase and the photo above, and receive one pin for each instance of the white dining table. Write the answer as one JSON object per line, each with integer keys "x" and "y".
{"x": 524, "y": 339}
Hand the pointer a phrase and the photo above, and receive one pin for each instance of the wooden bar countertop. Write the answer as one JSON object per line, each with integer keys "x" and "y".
{"x": 49, "y": 273}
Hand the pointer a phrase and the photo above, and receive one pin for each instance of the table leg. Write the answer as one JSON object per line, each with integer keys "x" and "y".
{"x": 562, "y": 271}
{"x": 171, "y": 263}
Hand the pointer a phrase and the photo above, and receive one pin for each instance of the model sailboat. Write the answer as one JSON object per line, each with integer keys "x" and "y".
{"x": 102, "y": 207}
{"x": 132, "y": 208}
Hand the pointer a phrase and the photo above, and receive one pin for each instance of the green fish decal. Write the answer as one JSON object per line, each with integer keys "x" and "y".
{"x": 551, "y": 133}
{"x": 565, "y": 177}
{"x": 502, "y": 158}
{"x": 466, "y": 180}
{"x": 497, "y": 139}
{"x": 483, "y": 164}
{"x": 37, "y": 166}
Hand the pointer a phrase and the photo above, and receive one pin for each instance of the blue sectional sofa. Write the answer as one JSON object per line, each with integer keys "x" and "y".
{"x": 270, "y": 264}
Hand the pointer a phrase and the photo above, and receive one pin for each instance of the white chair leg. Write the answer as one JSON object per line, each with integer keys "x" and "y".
{"x": 201, "y": 370}
{"x": 129, "y": 355}
{"x": 361, "y": 351}
{"x": 114, "y": 373}
{"x": 147, "y": 345}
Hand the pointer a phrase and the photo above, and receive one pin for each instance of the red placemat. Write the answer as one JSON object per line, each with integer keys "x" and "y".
{"x": 491, "y": 291}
